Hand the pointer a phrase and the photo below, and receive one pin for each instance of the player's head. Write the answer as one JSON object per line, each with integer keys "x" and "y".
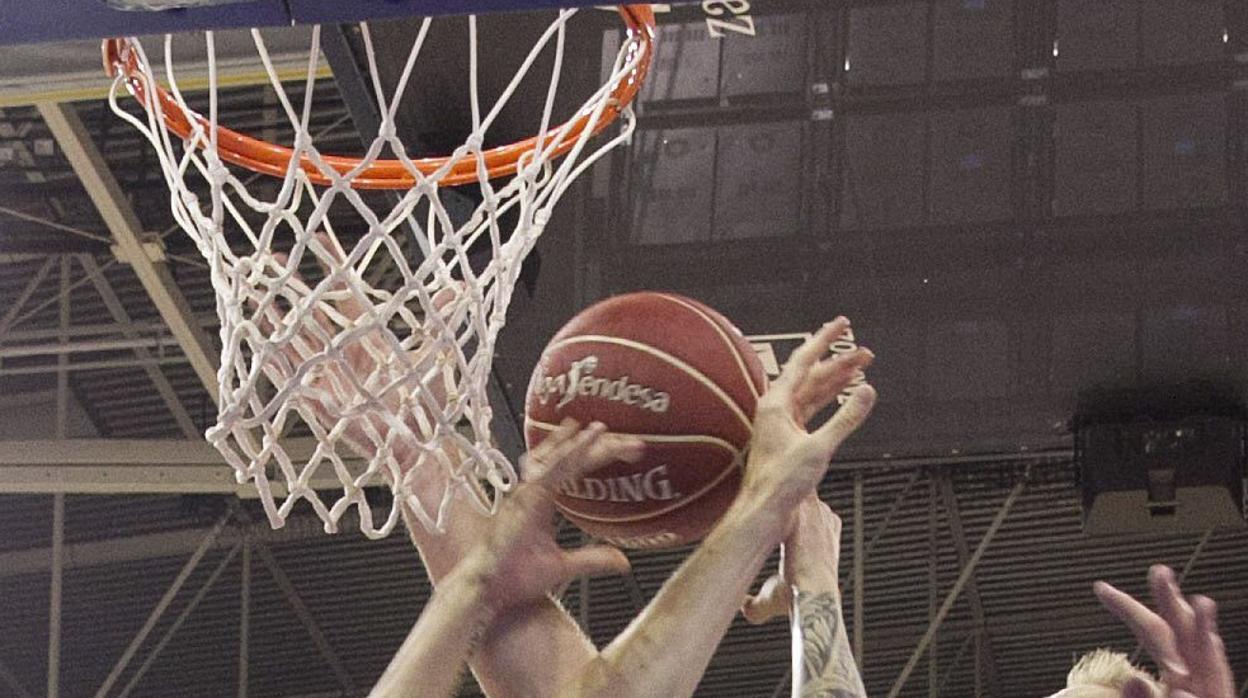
{"x": 1102, "y": 674}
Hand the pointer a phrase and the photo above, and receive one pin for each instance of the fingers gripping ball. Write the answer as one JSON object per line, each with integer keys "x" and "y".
{"x": 673, "y": 372}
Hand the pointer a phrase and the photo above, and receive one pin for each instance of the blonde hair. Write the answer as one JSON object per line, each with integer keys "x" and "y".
{"x": 1108, "y": 669}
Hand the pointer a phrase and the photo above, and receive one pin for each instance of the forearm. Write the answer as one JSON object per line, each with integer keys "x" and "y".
{"x": 529, "y": 651}
{"x": 429, "y": 662}
{"x": 828, "y": 666}
{"x": 665, "y": 650}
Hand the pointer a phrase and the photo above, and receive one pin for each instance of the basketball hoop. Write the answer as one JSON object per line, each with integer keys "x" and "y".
{"x": 381, "y": 356}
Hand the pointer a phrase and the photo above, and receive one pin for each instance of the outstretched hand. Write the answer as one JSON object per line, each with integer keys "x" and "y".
{"x": 1181, "y": 637}
{"x": 514, "y": 561}
{"x": 788, "y": 459}
{"x": 518, "y": 559}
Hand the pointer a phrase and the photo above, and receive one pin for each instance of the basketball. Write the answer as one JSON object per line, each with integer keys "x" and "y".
{"x": 673, "y": 372}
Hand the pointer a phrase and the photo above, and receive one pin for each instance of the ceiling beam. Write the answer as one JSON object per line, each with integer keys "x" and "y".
{"x": 95, "y": 85}
{"x": 967, "y": 571}
{"x": 304, "y": 615}
{"x": 958, "y": 532}
{"x": 148, "y": 546}
{"x": 135, "y": 466}
{"x": 22, "y": 244}
{"x": 154, "y": 373}
{"x": 201, "y": 549}
{"x": 75, "y": 141}
{"x": 31, "y": 286}
{"x": 180, "y": 620}
{"x": 1089, "y": 617}
{"x": 103, "y": 329}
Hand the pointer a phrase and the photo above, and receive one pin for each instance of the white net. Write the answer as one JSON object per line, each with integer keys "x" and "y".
{"x": 383, "y": 350}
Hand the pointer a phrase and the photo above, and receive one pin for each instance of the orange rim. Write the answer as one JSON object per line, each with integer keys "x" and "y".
{"x": 272, "y": 159}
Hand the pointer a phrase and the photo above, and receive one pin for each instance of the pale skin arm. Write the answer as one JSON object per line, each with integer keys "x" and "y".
{"x": 688, "y": 613}
{"x": 515, "y": 563}
{"x": 810, "y": 562}
{"x": 529, "y": 650}
{"x": 1181, "y": 636}
{"x": 665, "y": 651}
{"x": 431, "y": 659}
{"x": 538, "y": 650}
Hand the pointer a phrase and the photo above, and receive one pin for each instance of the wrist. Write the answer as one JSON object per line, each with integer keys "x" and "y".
{"x": 781, "y": 496}
{"x": 470, "y": 583}
{"x": 817, "y": 582}
{"x": 766, "y": 516}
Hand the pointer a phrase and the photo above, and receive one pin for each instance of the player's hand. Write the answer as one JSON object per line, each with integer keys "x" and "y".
{"x": 518, "y": 559}
{"x": 332, "y": 389}
{"x": 809, "y": 560}
{"x": 787, "y": 460}
{"x": 1181, "y": 637}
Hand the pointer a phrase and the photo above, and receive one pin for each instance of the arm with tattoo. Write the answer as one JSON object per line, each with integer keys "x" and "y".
{"x": 828, "y": 667}
{"x": 808, "y": 589}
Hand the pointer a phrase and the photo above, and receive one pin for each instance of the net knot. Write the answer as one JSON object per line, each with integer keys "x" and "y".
{"x": 541, "y": 217}
{"x": 532, "y": 171}
{"x": 387, "y": 130}
{"x": 303, "y": 141}
{"x": 384, "y": 355}
{"x": 217, "y": 171}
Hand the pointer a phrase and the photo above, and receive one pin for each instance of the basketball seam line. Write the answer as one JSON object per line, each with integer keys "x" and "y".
{"x": 661, "y": 438}
{"x": 664, "y": 356}
{"x": 736, "y": 353}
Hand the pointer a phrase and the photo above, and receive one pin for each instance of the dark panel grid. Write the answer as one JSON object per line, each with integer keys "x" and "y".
{"x": 1183, "y": 31}
{"x": 1114, "y": 156}
{"x": 972, "y": 39}
{"x": 882, "y": 179}
{"x": 758, "y": 175}
{"x": 730, "y": 183}
{"x": 971, "y": 166}
{"x": 887, "y": 44}
{"x": 1184, "y": 151}
{"x": 671, "y": 186}
{"x": 686, "y": 68}
{"x": 1097, "y": 34}
{"x": 1096, "y": 164}
{"x": 771, "y": 61}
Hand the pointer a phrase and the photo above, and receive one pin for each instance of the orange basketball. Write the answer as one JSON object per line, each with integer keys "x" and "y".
{"x": 675, "y": 373}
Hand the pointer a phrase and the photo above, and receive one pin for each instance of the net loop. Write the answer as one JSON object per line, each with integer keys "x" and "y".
{"x": 377, "y": 341}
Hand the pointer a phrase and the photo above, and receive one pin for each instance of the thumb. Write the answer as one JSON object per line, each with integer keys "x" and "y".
{"x": 772, "y": 600}
{"x": 848, "y": 418}
{"x": 595, "y": 561}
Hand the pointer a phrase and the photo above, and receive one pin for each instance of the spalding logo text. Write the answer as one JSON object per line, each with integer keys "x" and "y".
{"x": 638, "y": 487}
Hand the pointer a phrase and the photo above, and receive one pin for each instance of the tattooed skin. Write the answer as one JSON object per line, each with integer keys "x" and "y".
{"x": 830, "y": 670}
